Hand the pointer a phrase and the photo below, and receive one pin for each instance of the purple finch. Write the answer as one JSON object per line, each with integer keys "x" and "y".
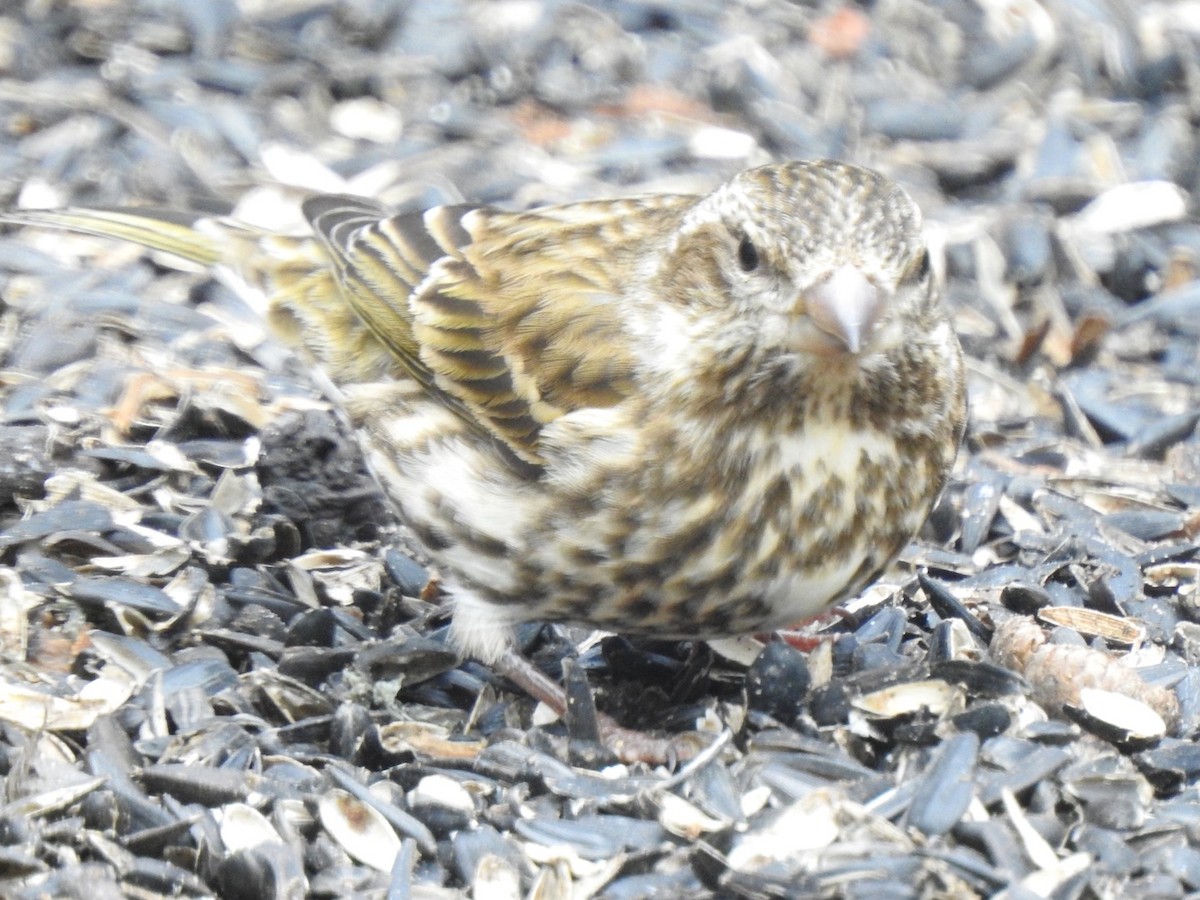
{"x": 674, "y": 415}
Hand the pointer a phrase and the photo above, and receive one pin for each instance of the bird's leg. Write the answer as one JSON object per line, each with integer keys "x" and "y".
{"x": 629, "y": 745}
{"x": 806, "y": 643}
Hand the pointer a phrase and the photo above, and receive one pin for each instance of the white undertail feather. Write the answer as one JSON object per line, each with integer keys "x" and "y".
{"x": 479, "y": 628}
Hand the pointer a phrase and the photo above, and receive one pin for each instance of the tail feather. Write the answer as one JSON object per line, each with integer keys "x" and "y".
{"x": 288, "y": 280}
{"x": 167, "y": 230}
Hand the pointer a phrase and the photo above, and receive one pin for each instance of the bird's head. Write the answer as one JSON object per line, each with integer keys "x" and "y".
{"x": 801, "y": 265}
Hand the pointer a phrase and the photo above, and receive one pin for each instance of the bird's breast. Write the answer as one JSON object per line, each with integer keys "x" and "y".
{"x": 723, "y": 533}
{"x": 640, "y": 525}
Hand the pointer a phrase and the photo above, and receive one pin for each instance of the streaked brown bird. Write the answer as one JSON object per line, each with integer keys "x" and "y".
{"x": 673, "y": 415}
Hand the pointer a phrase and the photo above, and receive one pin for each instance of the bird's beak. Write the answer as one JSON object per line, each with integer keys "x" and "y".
{"x": 846, "y": 306}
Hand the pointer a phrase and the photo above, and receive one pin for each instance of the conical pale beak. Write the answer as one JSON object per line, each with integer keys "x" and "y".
{"x": 846, "y": 306}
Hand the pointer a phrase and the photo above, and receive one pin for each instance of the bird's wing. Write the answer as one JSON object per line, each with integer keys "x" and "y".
{"x": 510, "y": 319}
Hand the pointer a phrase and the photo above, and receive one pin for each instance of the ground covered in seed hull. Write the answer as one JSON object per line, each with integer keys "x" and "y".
{"x": 222, "y": 667}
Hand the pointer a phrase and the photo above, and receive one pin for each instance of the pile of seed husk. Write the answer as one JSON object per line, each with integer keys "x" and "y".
{"x": 223, "y": 664}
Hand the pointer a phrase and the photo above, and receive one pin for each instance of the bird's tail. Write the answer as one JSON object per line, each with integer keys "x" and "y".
{"x": 159, "y": 229}
{"x": 288, "y": 280}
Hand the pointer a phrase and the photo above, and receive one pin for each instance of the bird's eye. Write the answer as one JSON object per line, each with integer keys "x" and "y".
{"x": 922, "y": 267}
{"x": 747, "y": 254}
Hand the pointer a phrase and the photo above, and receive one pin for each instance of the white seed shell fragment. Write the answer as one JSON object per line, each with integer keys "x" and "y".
{"x": 933, "y": 695}
{"x": 243, "y": 827}
{"x": 361, "y": 830}
{"x": 684, "y": 819}
{"x": 1130, "y": 719}
{"x": 808, "y": 824}
{"x": 441, "y": 790}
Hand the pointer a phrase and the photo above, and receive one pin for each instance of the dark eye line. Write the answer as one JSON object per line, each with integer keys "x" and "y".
{"x": 747, "y": 254}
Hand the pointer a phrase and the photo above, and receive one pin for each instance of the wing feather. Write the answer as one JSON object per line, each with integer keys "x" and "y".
{"x": 510, "y": 319}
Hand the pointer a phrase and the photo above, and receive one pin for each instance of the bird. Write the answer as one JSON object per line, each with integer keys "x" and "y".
{"x": 687, "y": 416}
